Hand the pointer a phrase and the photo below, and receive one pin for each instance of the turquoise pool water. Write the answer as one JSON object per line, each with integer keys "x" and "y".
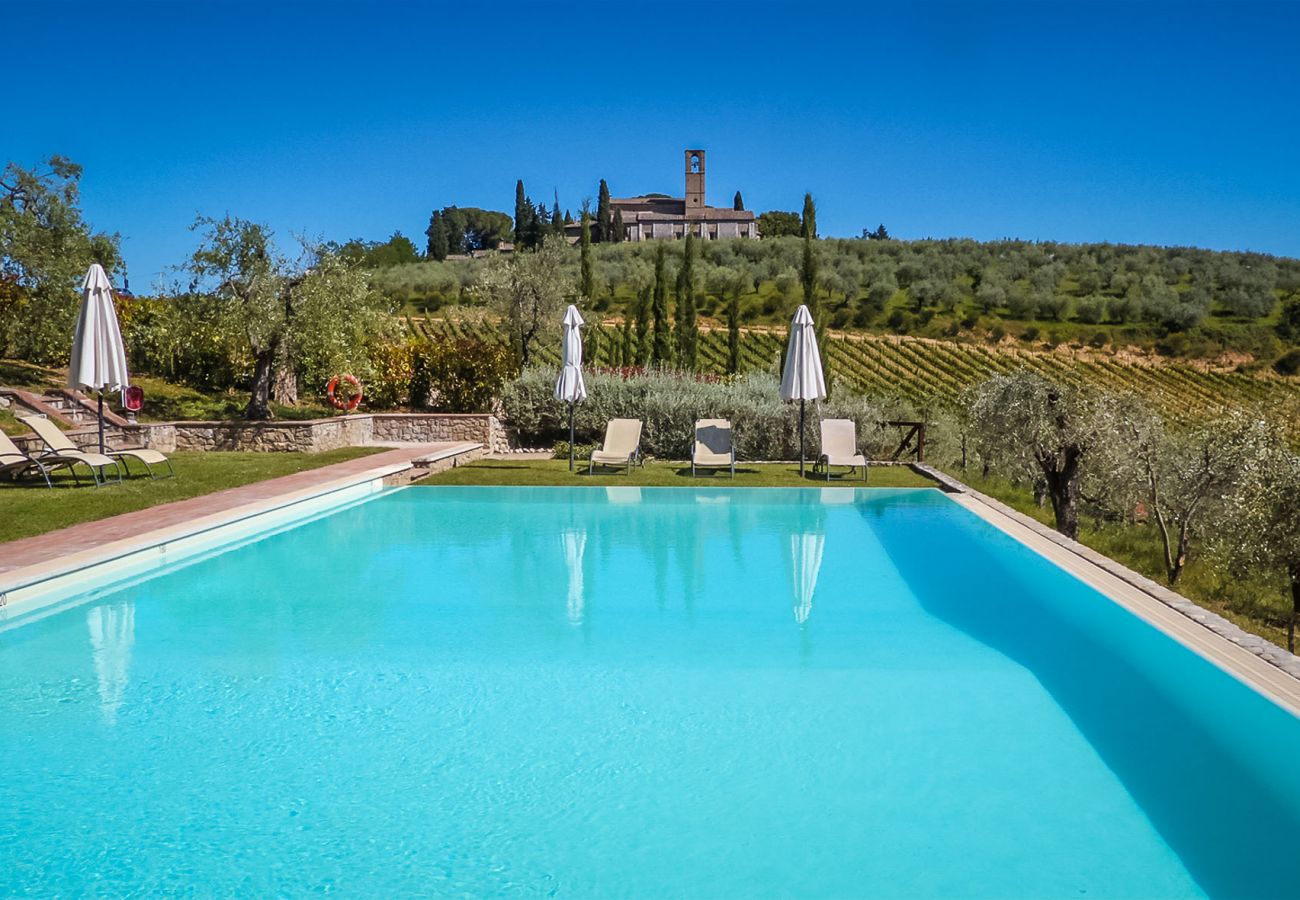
{"x": 580, "y": 692}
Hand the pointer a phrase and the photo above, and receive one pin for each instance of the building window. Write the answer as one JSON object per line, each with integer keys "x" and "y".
{"x": 695, "y": 163}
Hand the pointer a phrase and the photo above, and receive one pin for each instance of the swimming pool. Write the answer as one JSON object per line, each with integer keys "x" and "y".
{"x": 587, "y": 692}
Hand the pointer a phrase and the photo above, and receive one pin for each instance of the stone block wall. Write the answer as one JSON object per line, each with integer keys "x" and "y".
{"x": 482, "y": 428}
{"x": 312, "y": 435}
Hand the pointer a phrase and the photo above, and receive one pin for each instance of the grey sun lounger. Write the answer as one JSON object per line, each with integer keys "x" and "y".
{"x": 840, "y": 448}
{"x": 714, "y": 447}
{"x": 58, "y": 442}
{"x": 622, "y": 446}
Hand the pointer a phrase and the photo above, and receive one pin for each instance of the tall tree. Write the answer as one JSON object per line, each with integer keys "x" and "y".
{"x": 628, "y": 356}
{"x": 808, "y": 276}
{"x": 1027, "y": 421}
{"x": 439, "y": 237}
{"x": 45, "y": 249}
{"x": 588, "y": 282}
{"x": 779, "y": 223}
{"x": 268, "y": 308}
{"x": 466, "y": 229}
{"x": 618, "y": 226}
{"x": 738, "y": 202}
{"x": 808, "y": 224}
{"x": 1189, "y": 477}
{"x": 523, "y": 215}
{"x": 1263, "y": 533}
{"x": 604, "y": 215}
{"x": 688, "y": 334}
{"x": 662, "y": 351}
{"x": 528, "y": 291}
{"x": 643, "y": 314}
{"x": 557, "y": 218}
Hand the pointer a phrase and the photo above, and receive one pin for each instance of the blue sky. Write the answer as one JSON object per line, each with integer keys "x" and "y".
{"x": 1139, "y": 122}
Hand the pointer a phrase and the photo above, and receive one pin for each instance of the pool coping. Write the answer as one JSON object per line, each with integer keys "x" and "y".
{"x": 29, "y": 588}
{"x": 1251, "y": 659}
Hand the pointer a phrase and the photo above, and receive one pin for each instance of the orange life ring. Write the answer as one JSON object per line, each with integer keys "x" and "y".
{"x": 352, "y": 402}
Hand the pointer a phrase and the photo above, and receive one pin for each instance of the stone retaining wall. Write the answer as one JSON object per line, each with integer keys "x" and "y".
{"x": 317, "y": 435}
{"x": 481, "y": 428}
{"x": 308, "y": 436}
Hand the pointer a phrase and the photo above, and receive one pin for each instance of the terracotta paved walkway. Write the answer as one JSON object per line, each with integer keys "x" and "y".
{"x": 88, "y": 535}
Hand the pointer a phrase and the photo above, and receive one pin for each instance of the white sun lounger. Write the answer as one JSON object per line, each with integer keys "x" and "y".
{"x": 60, "y": 443}
{"x": 622, "y": 445}
{"x": 714, "y": 447}
{"x": 840, "y": 448}
{"x": 57, "y": 444}
{"x": 15, "y": 463}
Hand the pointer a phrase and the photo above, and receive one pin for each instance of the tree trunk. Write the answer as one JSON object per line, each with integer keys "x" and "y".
{"x": 1063, "y": 488}
{"x": 285, "y": 386}
{"x": 1295, "y": 609}
{"x": 259, "y": 402}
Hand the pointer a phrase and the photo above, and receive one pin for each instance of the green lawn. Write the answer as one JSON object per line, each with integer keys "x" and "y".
{"x": 555, "y": 472}
{"x": 29, "y": 507}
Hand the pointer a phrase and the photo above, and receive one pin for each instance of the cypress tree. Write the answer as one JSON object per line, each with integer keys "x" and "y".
{"x": 439, "y": 237}
{"x": 568, "y": 217}
{"x": 643, "y": 327}
{"x": 618, "y": 226}
{"x": 733, "y": 331}
{"x": 588, "y": 278}
{"x": 662, "y": 350}
{"x": 809, "y": 275}
{"x": 628, "y": 358}
{"x": 523, "y": 214}
{"x": 591, "y": 356}
{"x": 808, "y": 224}
{"x": 604, "y": 217}
{"x": 738, "y": 203}
{"x": 557, "y": 221}
{"x": 688, "y": 324}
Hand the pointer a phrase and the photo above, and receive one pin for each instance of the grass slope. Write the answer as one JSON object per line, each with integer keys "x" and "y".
{"x": 1258, "y": 604}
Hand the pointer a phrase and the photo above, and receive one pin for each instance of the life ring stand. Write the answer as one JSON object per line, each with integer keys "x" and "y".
{"x": 352, "y": 402}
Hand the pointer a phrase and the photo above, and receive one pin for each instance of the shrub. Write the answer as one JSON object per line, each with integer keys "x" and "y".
{"x": 390, "y": 374}
{"x": 1288, "y": 363}
{"x": 1090, "y": 310}
{"x": 668, "y": 403}
{"x": 459, "y": 375}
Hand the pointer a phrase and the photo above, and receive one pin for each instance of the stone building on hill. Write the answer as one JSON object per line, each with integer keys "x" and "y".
{"x": 653, "y": 216}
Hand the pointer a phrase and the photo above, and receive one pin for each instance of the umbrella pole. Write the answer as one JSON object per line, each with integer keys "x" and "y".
{"x": 801, "y": 439}
{"x": 101, "y": 421}
{"x": 570, "y": 435}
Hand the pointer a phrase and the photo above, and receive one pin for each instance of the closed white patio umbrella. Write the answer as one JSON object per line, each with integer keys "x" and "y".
{"x": 98, "y": 356}
{"x": 574, "y": 542}
{"x": 112, "y": 635}
{"x": 570, "y": 387}
{"x": 803, "y": 379}
{"x": 806, "y": 553}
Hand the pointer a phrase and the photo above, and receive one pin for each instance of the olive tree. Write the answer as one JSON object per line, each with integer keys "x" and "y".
{"x": 1190, "y": 477}
{"x": 45, "y": 249}
{"x": 1024, "y": 419}
{"x": 314, "y": 312}
{"x": 1262, "y": 532}
{"x": 528, "y": 290}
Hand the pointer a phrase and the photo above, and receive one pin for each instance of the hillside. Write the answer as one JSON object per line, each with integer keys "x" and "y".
{"x": 1183, "y": 302}
{"x": 923, "y": 371}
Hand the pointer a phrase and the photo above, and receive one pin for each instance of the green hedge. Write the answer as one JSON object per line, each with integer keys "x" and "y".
{"x": 669, "y": 404}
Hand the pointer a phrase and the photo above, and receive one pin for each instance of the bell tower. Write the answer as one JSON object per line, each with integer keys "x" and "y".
{"x": 694, "y": 181}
